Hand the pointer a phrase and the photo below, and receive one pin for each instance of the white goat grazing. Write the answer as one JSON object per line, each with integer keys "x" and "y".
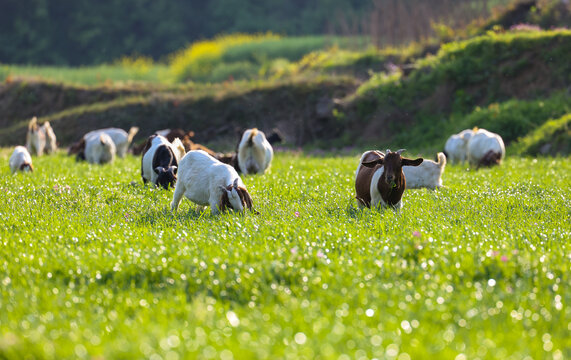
{"x": 206, "y": 181}
{"x": 100, "y": 149}
{"x": 21, "y": 160}
{"x": 120, "y": 137}
{"x": 427, "y": 175}
{"x": 254, "y": 152}
{"x": 457, "y": 146}
{"x": 485, "y": 148}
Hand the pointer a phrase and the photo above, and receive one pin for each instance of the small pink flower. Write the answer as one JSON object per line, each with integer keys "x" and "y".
{"x": 515, "y": 252}
{"x": 296, "y": 214}
{"x": 416, "y": 233}
{"x": 293, "y": 250}
{"x": 504, "y": 258}
{"x": 495, "y": 253}
{"x": 320, "y": 254}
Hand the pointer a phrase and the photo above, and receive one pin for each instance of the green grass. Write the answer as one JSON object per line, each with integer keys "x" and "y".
{"x": 97, "y": 266}
{"x": 88, "y": 75}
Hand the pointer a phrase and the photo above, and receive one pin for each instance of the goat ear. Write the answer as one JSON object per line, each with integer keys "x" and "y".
{"x": 372, "y": 158}
{"x": 159, "y": 169}
{"x": 235, "y": 184}
{"x": 409, "y": 162}
{"x": 222, "y": 188}
{"x": 173, "y": 168}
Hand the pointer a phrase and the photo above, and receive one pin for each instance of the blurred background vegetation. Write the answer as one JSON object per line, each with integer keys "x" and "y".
{"x": 322, "y": 71}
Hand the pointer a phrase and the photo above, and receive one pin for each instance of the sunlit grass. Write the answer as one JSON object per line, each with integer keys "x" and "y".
{"x": 109, "y": 74}
{"x": 95, "y": 265}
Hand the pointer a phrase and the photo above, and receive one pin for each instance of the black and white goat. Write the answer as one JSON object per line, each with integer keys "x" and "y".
{"x": 159, "y": 162}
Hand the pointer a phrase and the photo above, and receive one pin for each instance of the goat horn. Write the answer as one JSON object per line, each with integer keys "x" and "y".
{"x": 400, "y": 151}
{"x": 235, "y": 185}
{"x": 388, "y": 151}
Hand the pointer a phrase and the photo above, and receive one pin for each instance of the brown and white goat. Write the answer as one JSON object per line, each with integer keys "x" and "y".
{"x": 379, "y": 179}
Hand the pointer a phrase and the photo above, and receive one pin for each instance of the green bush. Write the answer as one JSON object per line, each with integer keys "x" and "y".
{"x": 515, "y": 118}
{"x": 233, "y": 71}
{"x": 551, "y": 138}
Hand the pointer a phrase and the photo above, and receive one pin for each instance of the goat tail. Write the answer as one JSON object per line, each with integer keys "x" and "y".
{"x": 441, "y": 160}
{"x": 253, "y": 133}
{"x": 33, "y": 124}
{"x": 132, "y": 132}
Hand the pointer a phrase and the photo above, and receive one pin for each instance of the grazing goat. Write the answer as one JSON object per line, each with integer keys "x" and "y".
{"x": 456, "y": 146}
{"x": 379, "y": 179}
{"x": 160, "y": 159}
{"x": 120, "y": 138}
{"x": 426, "y": 175}
{"x": 254, "y": 152}
{"x": 40, "y": 138}
{"x": 206, "y": 181}
{"x": 485, "y": 149}
{"x": 100, "y": 149}
{"x": 21, "y": 160}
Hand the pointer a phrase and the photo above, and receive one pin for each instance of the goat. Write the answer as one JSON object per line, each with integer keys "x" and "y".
{"x": 21, "y": 160}
{"x": 100, "y": 149}
{"x": 254, "y": 152}
{"x": 120, "y": 137}
{"x": 40, "y": 138}
{"x": 456, "y": 146}
{"x": 379, "y": 179}
{"x": 206, "y": 181}
{"x": 485, "y": 148}
{"x": 427, "y": 175}
{"x": 160, "y": 159}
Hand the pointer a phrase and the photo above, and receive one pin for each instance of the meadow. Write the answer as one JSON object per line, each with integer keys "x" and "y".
{"x": 94, "y": 265}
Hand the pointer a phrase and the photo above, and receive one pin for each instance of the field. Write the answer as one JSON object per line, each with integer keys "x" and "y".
{"x": 96, "y": 266}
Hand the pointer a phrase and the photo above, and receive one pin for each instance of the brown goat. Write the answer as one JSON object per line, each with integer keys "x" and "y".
{"x": 380, "y": 179}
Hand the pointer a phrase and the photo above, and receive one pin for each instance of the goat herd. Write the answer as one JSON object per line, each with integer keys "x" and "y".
{"x": 207, "y": 178}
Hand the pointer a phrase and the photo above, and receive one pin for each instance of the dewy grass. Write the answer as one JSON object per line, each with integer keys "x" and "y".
{"x": 95, "y": 265}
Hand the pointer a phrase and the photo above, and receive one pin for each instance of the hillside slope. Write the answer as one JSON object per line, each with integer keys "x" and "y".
{"x": 460, "y": 86}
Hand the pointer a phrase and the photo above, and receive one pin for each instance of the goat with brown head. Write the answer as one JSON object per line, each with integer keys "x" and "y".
{"x": 379, "y": 178}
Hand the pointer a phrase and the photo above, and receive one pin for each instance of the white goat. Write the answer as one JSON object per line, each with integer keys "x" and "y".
{"x": 100, "y": 149}
{"x": 254, "y": 152}
{"x": 485, "y": 148}
{"x": 120, "y": 137}
{"x": 206, "y": 181}
{"x": 457, "y": 146}
{"x": 40, "y": 138}
{"x": 51, "y": 141}
{"x": 428, "y": 174}
{"x": 21, "y": 160}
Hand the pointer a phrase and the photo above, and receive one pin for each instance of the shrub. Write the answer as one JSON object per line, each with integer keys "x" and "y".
{"x": 553, "y": 138}
{"x": 197, "y": 61}
{"x": 515, "y": 118}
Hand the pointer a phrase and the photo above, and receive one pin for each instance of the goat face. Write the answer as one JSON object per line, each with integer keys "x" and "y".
{"x": 392, "y": 163}
{"x": 235, "y": 198}
{"x": 25, "y": 167}
{"x": 166, "y": 177}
